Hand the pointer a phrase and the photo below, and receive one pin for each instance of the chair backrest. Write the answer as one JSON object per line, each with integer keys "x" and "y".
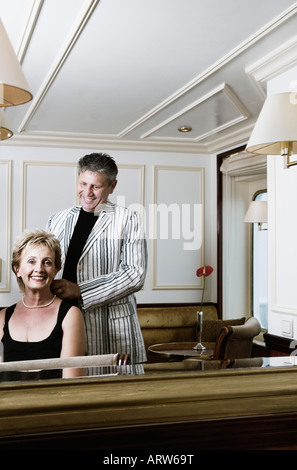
{"x": 235, "y": 342}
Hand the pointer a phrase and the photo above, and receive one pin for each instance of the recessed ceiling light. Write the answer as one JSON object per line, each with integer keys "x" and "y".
{"x": 185, "y": 129}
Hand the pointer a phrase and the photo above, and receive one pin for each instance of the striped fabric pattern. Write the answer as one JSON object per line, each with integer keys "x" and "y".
{"x": 112, "y": 267}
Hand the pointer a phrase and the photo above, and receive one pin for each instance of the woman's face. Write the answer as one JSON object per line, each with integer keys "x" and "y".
{"x": 37, "y": 267}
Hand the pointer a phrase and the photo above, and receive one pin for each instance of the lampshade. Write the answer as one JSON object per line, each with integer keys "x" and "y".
{"x": 5, "y": 132}
{"x": 275, "y": 132}
{"x": 257, "y": 212}
{"x": 14, "y": 88}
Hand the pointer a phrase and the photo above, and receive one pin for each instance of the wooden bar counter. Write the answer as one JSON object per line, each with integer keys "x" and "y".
{"x": 189, "y": 410}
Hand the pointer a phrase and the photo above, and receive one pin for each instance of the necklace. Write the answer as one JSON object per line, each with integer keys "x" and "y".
{"x": 38, "y": 306}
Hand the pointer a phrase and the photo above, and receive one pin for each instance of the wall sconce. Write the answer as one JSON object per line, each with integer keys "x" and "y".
{"x": 14, "y": 88}
{"x": 257, "y": 214}
{"x": 275, "y": 132}
{"x": 5, "y": 133}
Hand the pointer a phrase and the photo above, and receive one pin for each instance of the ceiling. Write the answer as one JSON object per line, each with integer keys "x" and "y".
{"x": 128, "y": 73}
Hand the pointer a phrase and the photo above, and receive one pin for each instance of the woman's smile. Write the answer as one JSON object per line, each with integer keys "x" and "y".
{"x": 38, "y": 278}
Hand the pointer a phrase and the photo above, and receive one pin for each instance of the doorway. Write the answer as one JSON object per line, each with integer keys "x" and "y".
{"x": 240, "y": 176}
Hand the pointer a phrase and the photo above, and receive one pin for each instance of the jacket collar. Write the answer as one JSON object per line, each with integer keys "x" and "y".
{"x": 105, "y": 216}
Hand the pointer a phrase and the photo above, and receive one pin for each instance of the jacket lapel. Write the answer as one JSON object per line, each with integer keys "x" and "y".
{"x": 65, "y": 234}
{"x": 69, "y": 227}
{"x": 105, "y": 217}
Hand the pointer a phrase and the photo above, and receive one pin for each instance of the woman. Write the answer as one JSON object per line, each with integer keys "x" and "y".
{"x": 40, "y": 325}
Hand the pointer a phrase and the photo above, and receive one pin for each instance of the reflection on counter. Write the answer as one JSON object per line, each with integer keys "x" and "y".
{"x": 101, "y": 371}
{"x": 170, "y": 367}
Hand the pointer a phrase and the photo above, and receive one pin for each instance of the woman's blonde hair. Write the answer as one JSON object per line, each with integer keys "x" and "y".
{"x": 30, "y": 239}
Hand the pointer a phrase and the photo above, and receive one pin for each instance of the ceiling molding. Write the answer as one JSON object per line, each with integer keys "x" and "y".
{"x": 82, "y": 19}
{"x": 223, "y": 89}
{"x": 260, "y": 34}
{"x": 276, "y": 62}
{"x": 90, "y": 90}
{"x": 90, "y": 141}
{"x": 29, "y": 29}
{"x": 244, "y": 163}
{"x": 234, "y": 138}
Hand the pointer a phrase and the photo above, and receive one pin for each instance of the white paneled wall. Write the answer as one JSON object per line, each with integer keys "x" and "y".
{"x": 38, "y": 178}
{"x": 38, "y": 181}
{"x": 282, "y": 233}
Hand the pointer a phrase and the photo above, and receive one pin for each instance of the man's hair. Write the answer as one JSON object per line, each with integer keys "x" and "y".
{"x": 30, "y": 239}
{"x": 100, "y": 163}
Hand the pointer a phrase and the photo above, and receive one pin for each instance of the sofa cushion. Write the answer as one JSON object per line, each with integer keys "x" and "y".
{"x": 173, "y": 317}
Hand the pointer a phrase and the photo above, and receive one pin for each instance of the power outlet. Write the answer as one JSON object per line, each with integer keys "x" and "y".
{"x": 287, "y": 328}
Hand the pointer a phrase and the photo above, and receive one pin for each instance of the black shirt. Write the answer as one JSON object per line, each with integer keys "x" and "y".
{"x": 84, "y": 225}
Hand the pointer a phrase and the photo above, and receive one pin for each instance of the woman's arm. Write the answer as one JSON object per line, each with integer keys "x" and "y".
{"x": 74, "y": 339}
{"x": 2, "y": 322}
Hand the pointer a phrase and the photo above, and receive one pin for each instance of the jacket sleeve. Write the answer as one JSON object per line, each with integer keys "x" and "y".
{"x": 127, "y": 278}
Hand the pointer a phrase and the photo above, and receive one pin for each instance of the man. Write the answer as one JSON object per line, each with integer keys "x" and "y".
{"x": 104, "y": 259}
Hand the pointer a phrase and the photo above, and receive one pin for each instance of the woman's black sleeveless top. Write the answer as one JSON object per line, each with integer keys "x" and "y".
{"x": 48, "y": 348}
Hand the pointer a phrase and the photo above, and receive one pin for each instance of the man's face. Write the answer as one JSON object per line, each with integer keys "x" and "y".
{"x": 93, "y": 190}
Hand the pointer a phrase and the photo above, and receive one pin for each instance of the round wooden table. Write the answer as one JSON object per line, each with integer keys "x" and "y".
{"x": 180, "y": 351}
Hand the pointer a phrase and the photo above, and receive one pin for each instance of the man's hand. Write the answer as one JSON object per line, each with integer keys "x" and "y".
{"x": 65, "y": 289}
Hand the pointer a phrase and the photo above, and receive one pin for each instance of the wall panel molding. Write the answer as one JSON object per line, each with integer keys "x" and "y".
{"x": 178, "y": 227}
{"x": 46, "y": 191}
{"x": 130, "y": 188}
{"x": 5, "y": 226}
